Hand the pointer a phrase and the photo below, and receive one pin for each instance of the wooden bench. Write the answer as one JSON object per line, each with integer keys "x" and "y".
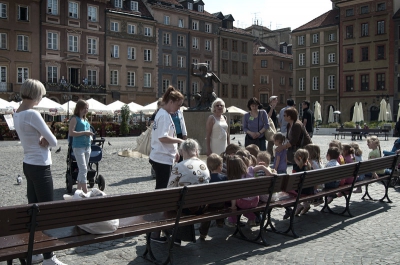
{"x": 355, "y": 132}
{"x": 51, "y": 226}
{"x": 301, "y": 180}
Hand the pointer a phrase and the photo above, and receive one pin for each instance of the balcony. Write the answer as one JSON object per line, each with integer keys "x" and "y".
{"x": 76, "y": 88}
{"x": 6, "y": 87}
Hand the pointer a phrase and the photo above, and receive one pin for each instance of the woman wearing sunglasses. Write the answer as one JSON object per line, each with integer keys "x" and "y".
{"x": 217, "y": 128}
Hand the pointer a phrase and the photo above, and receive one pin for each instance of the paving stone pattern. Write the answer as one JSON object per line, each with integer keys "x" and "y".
{"x": 370, "y": 237}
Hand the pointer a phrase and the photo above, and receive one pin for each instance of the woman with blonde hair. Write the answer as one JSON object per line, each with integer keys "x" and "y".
{"x": 217, "y": 129}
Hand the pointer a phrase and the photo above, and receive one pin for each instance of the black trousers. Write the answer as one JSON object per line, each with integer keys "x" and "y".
{"x": 163, "y": 171}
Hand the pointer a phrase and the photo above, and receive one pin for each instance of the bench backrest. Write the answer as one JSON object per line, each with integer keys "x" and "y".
{"x": 319, "y": 176}
{"x": 375, "y": 164}
{"x": 57, "y": 214}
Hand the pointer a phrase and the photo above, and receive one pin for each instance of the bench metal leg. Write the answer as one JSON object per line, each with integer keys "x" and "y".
{"x": 259, "y": 236}
{"x": 386, "y": 183}
{"x": 286, "y": 232}
{"x": 347, "y": 208}
{"x": 366, "y": 193}
{"x": 148, "y": 250}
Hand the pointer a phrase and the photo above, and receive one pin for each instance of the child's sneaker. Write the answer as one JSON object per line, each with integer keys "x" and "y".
{"x": 37, "y": 258}
{"x": 53, "y": 261}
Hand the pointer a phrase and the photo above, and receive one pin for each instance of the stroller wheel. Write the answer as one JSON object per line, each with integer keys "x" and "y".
{"x": 69, "y": 183}
{"x": 101, "y": 182}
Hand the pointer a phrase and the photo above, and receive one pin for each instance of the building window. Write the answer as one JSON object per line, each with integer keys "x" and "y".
{"x": 364, "y": 9}
{"x": 195, "y": 25}
{"x": 331, "y": 37}
{"x": 23, "y": 13}
{"x": 147, "y": 80}
{"x": 349, "y": 56}
{"x": 224, "y": 44}
{"x": 315, "y": 38}
{"x": 3, "y": 41}
{"x": 300, "y": 40}
{"x": 244, "y": 47}
{"x": 208, "y": 62}
{"x": 349, "y": 12}
{"x": 291, "y": 66}
{"x": 208, "y": 45}
{"x": 147, "y": 31}
{"x": 364, "y": 54}
{"x": 264, "y": 63}
{"x": 73, "y": 9}
{"x": 52, "y": 74}
{"x": 190, "y": 6}
{"x": 52, "y": 7}
{"x": 281, "y": 65}
{"x": 284, "y": 49}
{"x": 131, "y": 79}
{"x": 131, "y": 29}
{"x": 244, "y": 68}
{"x": 364, "y": 82}
{"x": 349, "y": 32}
{"x": 181, "y": 41}
{"x": 131, "y": 53}
{"x": 200, "y": 8}
{"x": 224, "y": 66}
{"x": 181, "y": 62}
{"x": 244, "y": 92}
{"x": 381, "y": 27}
{"x": 234, "y": 45}
{"x": 234, "y": 91}
{"x": 22, "y": 74}
{"x": 331, "y": 57}
{"x": 52, "y": 41}
{"x": 147, "y": 55}
{"x": 282, "y": 80}
{"x": 92, "y": 46}
{"x": 195, "y": 88}
{"x": 3, "y": 10}
{"x": 118, "y": 3}
{"x": 114, "y": 77}
{"x": 73, "y": 43}
{"x": 92, "y": 13}
{"x": 22, "y": 43}
{"x": 166, "y": 20}
{"x": 349, "y": 83}
{"x": 364, "y": 29}
{"x": 225, "y": 90}
{"x": 167, "y": 59}
{"x": 181, "y": 86}
{"x": 115, "y": 51}
{"x": 263, "y": 79}
{"x": 315, "y": 83}
{"x": 380, "y": 81}
{"x": 331, "y": 82}
{"x": 380, "y": 52}
{"x": 180, "y": 23}
{"x": 134, "y": 6}
{"x": 195, "y": 62}
{"x": 315, "y": 58}
{"x": 165, "y": 85}
{"x": 234, "y": 67}
{"x": 167, "y": 39}
{"x": 290, "y": 81}
{"x": 114, "y": 26}
{"x": 195, "y": 43}
{"x": 208, "y": 27}
{"x": 381, "y": 7}
{"x": 302, "y": 59}
{"x": 301, "y": 83}
{"x": 92, "y": 77}
{"x": 3, "y": 77}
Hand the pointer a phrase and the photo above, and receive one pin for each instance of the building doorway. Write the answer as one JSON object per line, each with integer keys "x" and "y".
{"x": 374, "y": 113}
{"x": 74, "y": 76}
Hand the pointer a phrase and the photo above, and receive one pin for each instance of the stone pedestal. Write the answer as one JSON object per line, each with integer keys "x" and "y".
{"x": 196, "y": 127}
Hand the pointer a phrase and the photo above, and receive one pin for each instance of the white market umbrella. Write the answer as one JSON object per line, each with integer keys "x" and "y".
{"x": 134, "y": 107}
{"x": 233, "y": 109}
{"x": 149, "y": 108}
{"x": 361, "y": 112}
{"x": 69, "y": 104}
{"x": 6, "y": 107}
{"x": 49, "y": 106}
{"x": 14, "y": 104}
{"x": 116, "y": 105}
{"x": 382, "y": 112}
{"x": 98, "y": 107}
{"x": 356, "y": 114}
{"x": 331, "y": 119}
{"x": 389, "y": 112}
{"x": 317, "y": 112}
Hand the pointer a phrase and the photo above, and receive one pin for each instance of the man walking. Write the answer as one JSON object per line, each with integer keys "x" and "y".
{"x": 308, "y": 118}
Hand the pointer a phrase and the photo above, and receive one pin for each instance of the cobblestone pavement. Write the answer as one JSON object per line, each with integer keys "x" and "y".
{"x": 370, "y": 237}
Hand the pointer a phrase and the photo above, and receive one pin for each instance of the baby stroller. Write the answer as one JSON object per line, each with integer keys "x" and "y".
{"x": 93, "y": 166}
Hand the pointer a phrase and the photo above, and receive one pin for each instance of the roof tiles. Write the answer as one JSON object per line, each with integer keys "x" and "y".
{"x": 329, "y": 18}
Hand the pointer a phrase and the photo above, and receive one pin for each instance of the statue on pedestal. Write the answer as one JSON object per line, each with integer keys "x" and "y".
{"x": 207, "y": 94}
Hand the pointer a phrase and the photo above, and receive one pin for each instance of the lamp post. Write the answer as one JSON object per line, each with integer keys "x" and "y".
{"x": 67, "y": 98}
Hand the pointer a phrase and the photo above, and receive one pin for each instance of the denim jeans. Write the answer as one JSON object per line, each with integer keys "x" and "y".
{"x": 82, "y": 155}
